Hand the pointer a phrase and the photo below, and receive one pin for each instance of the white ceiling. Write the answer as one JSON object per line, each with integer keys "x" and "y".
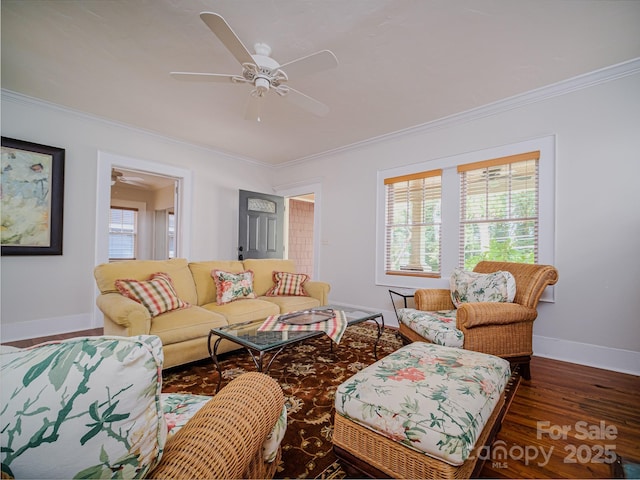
{"x": 402, "y": 63}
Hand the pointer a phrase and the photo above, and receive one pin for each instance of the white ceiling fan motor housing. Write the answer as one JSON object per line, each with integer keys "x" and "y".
{"x": 267, "y": 74}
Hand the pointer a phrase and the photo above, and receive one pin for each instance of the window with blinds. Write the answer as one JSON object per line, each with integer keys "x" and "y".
{"x": 123, "y": 231}
{"x": 499, "y": 210}
{"x": 413, "y": 221}
{"x": 171, "y": 234}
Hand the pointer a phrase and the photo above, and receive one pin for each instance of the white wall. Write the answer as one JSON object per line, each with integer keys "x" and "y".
{"x": 596, "y": 315}
{"x": 595, "y": 319}
{"x": 42, "y": 295}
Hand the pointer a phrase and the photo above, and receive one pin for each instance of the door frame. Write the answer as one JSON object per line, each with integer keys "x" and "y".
{"x": 106, "y": 161}
{"x": 314, "y": 187}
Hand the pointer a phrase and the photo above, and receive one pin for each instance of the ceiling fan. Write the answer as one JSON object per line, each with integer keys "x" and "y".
{"x": 263, "y": 72}
{"x": 117, "y": 176}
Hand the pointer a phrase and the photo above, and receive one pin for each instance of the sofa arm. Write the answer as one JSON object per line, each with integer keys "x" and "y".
{"x": 471, "y": 315}
{"x": 433, "y": 299}
{"x": 318, "y": 290}
{"x": 225, "y": 435}
{"x": 129, "y": 314}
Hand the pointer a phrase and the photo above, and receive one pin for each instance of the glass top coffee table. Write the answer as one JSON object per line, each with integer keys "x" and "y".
{"x": 259, "y": 343}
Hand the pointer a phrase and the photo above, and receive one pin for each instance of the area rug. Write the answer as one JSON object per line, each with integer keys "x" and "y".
{"x": 309, "y": 374}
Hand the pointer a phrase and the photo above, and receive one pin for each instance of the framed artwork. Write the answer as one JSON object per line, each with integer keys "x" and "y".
{"x": 31, "y": 198}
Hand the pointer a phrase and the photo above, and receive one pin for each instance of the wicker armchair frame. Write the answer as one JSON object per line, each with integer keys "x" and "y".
{"x": 502, "y": 329}
{"x": 224, "y": 438}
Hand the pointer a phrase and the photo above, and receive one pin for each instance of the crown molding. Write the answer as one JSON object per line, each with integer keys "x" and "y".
{"x": 541, "y": 94}
{"x": 10, "y": 95}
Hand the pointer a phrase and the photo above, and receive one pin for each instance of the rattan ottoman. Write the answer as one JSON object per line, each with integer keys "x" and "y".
{"x": 404, "y": 416}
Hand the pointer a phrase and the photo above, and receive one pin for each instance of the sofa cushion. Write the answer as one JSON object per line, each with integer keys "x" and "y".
{"x": 244, "y": 310}
{"x": 286, "y": 283}
{"x": 107, "y": 274}
{"x": 288, "y": 304}
{"x": 204, "y": 284}
{"x": 468, "y": 286}
{"x": 86, "y": 407}
{"x": 157, "y": 294}
{"x": 263, "y": 272}
{"x": 184, "y": 325}
{"x": 233, "y": 286}
{"x": 430, "y": 398}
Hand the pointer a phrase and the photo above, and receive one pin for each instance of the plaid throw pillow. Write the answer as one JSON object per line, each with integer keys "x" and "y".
{"x": 157, "y": 294}
{"x": 288, "y": 284}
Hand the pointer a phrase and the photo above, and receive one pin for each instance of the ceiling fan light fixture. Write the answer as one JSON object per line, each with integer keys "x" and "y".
{"x": 262, "y": 86}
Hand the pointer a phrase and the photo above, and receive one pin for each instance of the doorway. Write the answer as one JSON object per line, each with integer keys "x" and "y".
{"x": 107, "y": 162}
{"x": 306, "y": 192}
{"x": 299, "y": 226}
{"x": 143, "y": 215}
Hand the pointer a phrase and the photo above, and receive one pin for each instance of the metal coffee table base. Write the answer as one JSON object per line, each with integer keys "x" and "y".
{"x": 258, "y": 352}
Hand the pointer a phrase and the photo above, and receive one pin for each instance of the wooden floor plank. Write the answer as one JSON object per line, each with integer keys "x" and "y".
{"x": 567, "y": 422}
{"x": 590, "y": 402}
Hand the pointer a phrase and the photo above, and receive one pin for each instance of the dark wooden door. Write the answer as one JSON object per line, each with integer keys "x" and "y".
{"x": 261, "y": 226}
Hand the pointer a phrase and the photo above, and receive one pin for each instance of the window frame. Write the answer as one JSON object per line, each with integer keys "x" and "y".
{"x": 412, "y": 223}
{"x": 451, "y": 209}
{"x": 136, "y": 231}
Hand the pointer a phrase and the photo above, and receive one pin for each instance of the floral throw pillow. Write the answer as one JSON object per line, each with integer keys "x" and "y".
{"x": 157, "y": 294}
{"x": 481, "y": 287}
{"x": 288, "y": 284}
{"x": 233, "y": 286}
{"x": 88, "y": 407}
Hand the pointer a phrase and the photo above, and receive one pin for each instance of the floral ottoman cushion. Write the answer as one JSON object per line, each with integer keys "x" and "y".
{"x": 437, "y": 327}
{"x": 431, "y": 398}
{"x": 178, "y": 408}
{"x": 82, "y": 408}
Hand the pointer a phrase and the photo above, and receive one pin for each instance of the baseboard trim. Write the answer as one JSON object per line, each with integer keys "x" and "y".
{"x": 11, "y": 332}
{"x": 616, "y": 359}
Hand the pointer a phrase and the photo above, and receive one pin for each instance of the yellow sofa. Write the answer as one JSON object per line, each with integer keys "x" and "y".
{"x": 184, "y": 332}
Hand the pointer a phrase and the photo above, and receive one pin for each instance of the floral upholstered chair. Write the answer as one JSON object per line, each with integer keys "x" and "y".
{"x": 92, "y": 407}
{"x": 489, "y": 310}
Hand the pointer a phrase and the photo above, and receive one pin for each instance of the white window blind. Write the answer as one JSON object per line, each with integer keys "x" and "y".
{"x": 499, "y": 210}
{"x": 413, "y": 221}
{"x": 171, "y": 234}
{"x": 123, "y": 230}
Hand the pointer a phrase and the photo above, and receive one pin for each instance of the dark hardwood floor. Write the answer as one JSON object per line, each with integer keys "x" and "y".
{"x": 568, "y": 421}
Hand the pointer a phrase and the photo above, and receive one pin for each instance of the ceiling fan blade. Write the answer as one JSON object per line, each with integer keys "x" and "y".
{"x": 305, "y": 101}
{"x": 133, "y": 182}
{"x": 227, "y": 36}
{"x": 316, "y": 62}
{"x": 254, "y": 108}
{"x": 202, "y": 77}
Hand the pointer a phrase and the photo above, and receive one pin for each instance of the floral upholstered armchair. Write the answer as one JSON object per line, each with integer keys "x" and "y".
{"x": 489, "y": 310}
{"x": 92, "y": 407}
